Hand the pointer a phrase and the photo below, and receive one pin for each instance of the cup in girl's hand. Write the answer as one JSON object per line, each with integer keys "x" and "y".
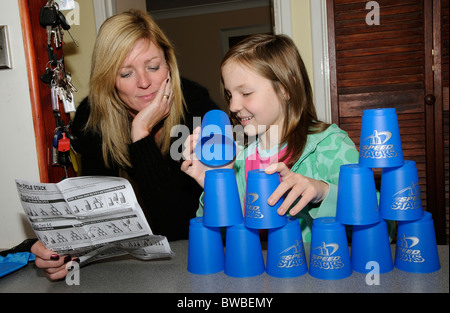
{"x": 216, "y": 146}
{"x": 357, "y": 202}
{"x": 329, "y": 255}
{"x": 285, "y": 251}
{"x": 371, "y": 248}
{"x": 222, "y": 206}
{"x": 400, "y": 198}
{"x": 243, "y": 252}
{"x": 258, "y": 213}
{"x": 205, "y": 248}
{"x": 416, "y": 249}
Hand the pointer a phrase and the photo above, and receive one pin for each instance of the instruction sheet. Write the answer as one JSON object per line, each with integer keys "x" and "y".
{"x": 91, "y": 218}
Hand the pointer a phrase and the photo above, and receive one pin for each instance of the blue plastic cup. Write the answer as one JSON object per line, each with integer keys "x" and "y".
{"x": 285, "y": 251}
{"x": 329, "y": 255}
{"x": 258, "y": 213}
{"x": 400, "y": 198}
{"x": 205, "y": 248}
{"x": 216, "y": 146}
{"x": 416, "y": 249}
{"x": 243, "y": 252}
{"x": 380, "y": 145}
{"x": 370, "y": 243}
{"x": 357, "y": 202}
{"x": 222, "y": 206}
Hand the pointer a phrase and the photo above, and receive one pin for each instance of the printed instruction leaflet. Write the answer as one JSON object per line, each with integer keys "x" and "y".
{"x": 90, "y": 217}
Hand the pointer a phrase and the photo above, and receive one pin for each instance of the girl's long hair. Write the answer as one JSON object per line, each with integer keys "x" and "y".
{"x": 276, "y": 58}
{"x": 109, "y": 116}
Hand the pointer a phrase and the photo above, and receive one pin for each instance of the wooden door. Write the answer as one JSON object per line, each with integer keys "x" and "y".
{"x": 394, "y": 63}
{"x": 35, "y": 42}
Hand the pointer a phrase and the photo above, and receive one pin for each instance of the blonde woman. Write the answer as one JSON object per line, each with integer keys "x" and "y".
{"x": 123, "y": 127}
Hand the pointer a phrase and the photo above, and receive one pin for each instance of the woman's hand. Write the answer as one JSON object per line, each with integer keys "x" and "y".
{"x": 53, "y": 264}
{"x": 192, "y": 165}
{"x": 144, "y": 121}
{"x": 297, "y": 186}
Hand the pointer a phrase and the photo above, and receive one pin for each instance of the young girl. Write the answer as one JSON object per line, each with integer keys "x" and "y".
{"x": 268, "y": 91}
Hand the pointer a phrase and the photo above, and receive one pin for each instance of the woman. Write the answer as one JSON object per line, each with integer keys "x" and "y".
{"x": 123, "y": 128}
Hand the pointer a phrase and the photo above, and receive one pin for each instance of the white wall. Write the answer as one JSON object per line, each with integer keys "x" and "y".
{"x": 18, "y": 158}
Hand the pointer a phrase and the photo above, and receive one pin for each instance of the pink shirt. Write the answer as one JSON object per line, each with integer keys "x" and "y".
{"x": 256, "y": 160}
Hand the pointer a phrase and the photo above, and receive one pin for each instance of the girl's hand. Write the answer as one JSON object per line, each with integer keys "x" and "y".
{"x": 53, "y": 264}
{"x": 192, "y": 165}
{"x": 297, "y": 186}
{"x": 150, "y": 116}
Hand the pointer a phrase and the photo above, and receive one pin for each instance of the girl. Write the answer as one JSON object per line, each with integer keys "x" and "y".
{"x": 266, "y": 85}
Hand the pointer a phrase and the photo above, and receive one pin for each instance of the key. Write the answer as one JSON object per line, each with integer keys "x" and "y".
{"x": 68, "y": 90}
{"x": 64, "y": 153}
{"x": 48, "y": 15}
{"x": 58, "y": 37}
{"x": 54, "y": 94}
{"x": 48, "y": 18}
{"x": 64, "y": 143}
{"x": 56, "y": 138}
{"x": 49, "y": 30}
{"x": 65, "y": 25}
{"x": 55, "y": 38}
{"x": 69, "y": 82}
{"x": 59, "y": 74}
{"x": 64, "y": 162}
{"x": 69, "y": 103}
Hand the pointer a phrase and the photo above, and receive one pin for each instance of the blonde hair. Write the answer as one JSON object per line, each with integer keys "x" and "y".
{"x": 109, "y": 116}
{"x": 276, "y": 58}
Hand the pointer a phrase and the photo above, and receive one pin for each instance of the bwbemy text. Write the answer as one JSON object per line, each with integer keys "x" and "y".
{"x": 225, "y": 302}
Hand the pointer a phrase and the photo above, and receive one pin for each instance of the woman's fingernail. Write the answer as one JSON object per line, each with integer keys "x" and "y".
{"x": 67, "y": 258}
{"x": 54, "y": 257}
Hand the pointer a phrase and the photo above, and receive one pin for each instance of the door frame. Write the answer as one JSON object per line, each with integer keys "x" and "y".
{"x": 321, "y": 57}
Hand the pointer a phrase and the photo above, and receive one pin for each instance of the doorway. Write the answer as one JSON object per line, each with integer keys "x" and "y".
{"x": 201, "y": 34}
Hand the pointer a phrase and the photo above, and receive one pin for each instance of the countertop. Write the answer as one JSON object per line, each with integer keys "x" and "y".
{"x": 126, "y": 274}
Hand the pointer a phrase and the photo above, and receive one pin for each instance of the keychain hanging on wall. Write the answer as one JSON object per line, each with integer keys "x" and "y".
{"x": 60, "y": 84}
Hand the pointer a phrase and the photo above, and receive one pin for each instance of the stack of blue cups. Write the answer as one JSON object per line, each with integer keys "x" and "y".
{"x": 400, "y": 200}
{"x": 243, "y": 255}
{"x": 357, "y": 205}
